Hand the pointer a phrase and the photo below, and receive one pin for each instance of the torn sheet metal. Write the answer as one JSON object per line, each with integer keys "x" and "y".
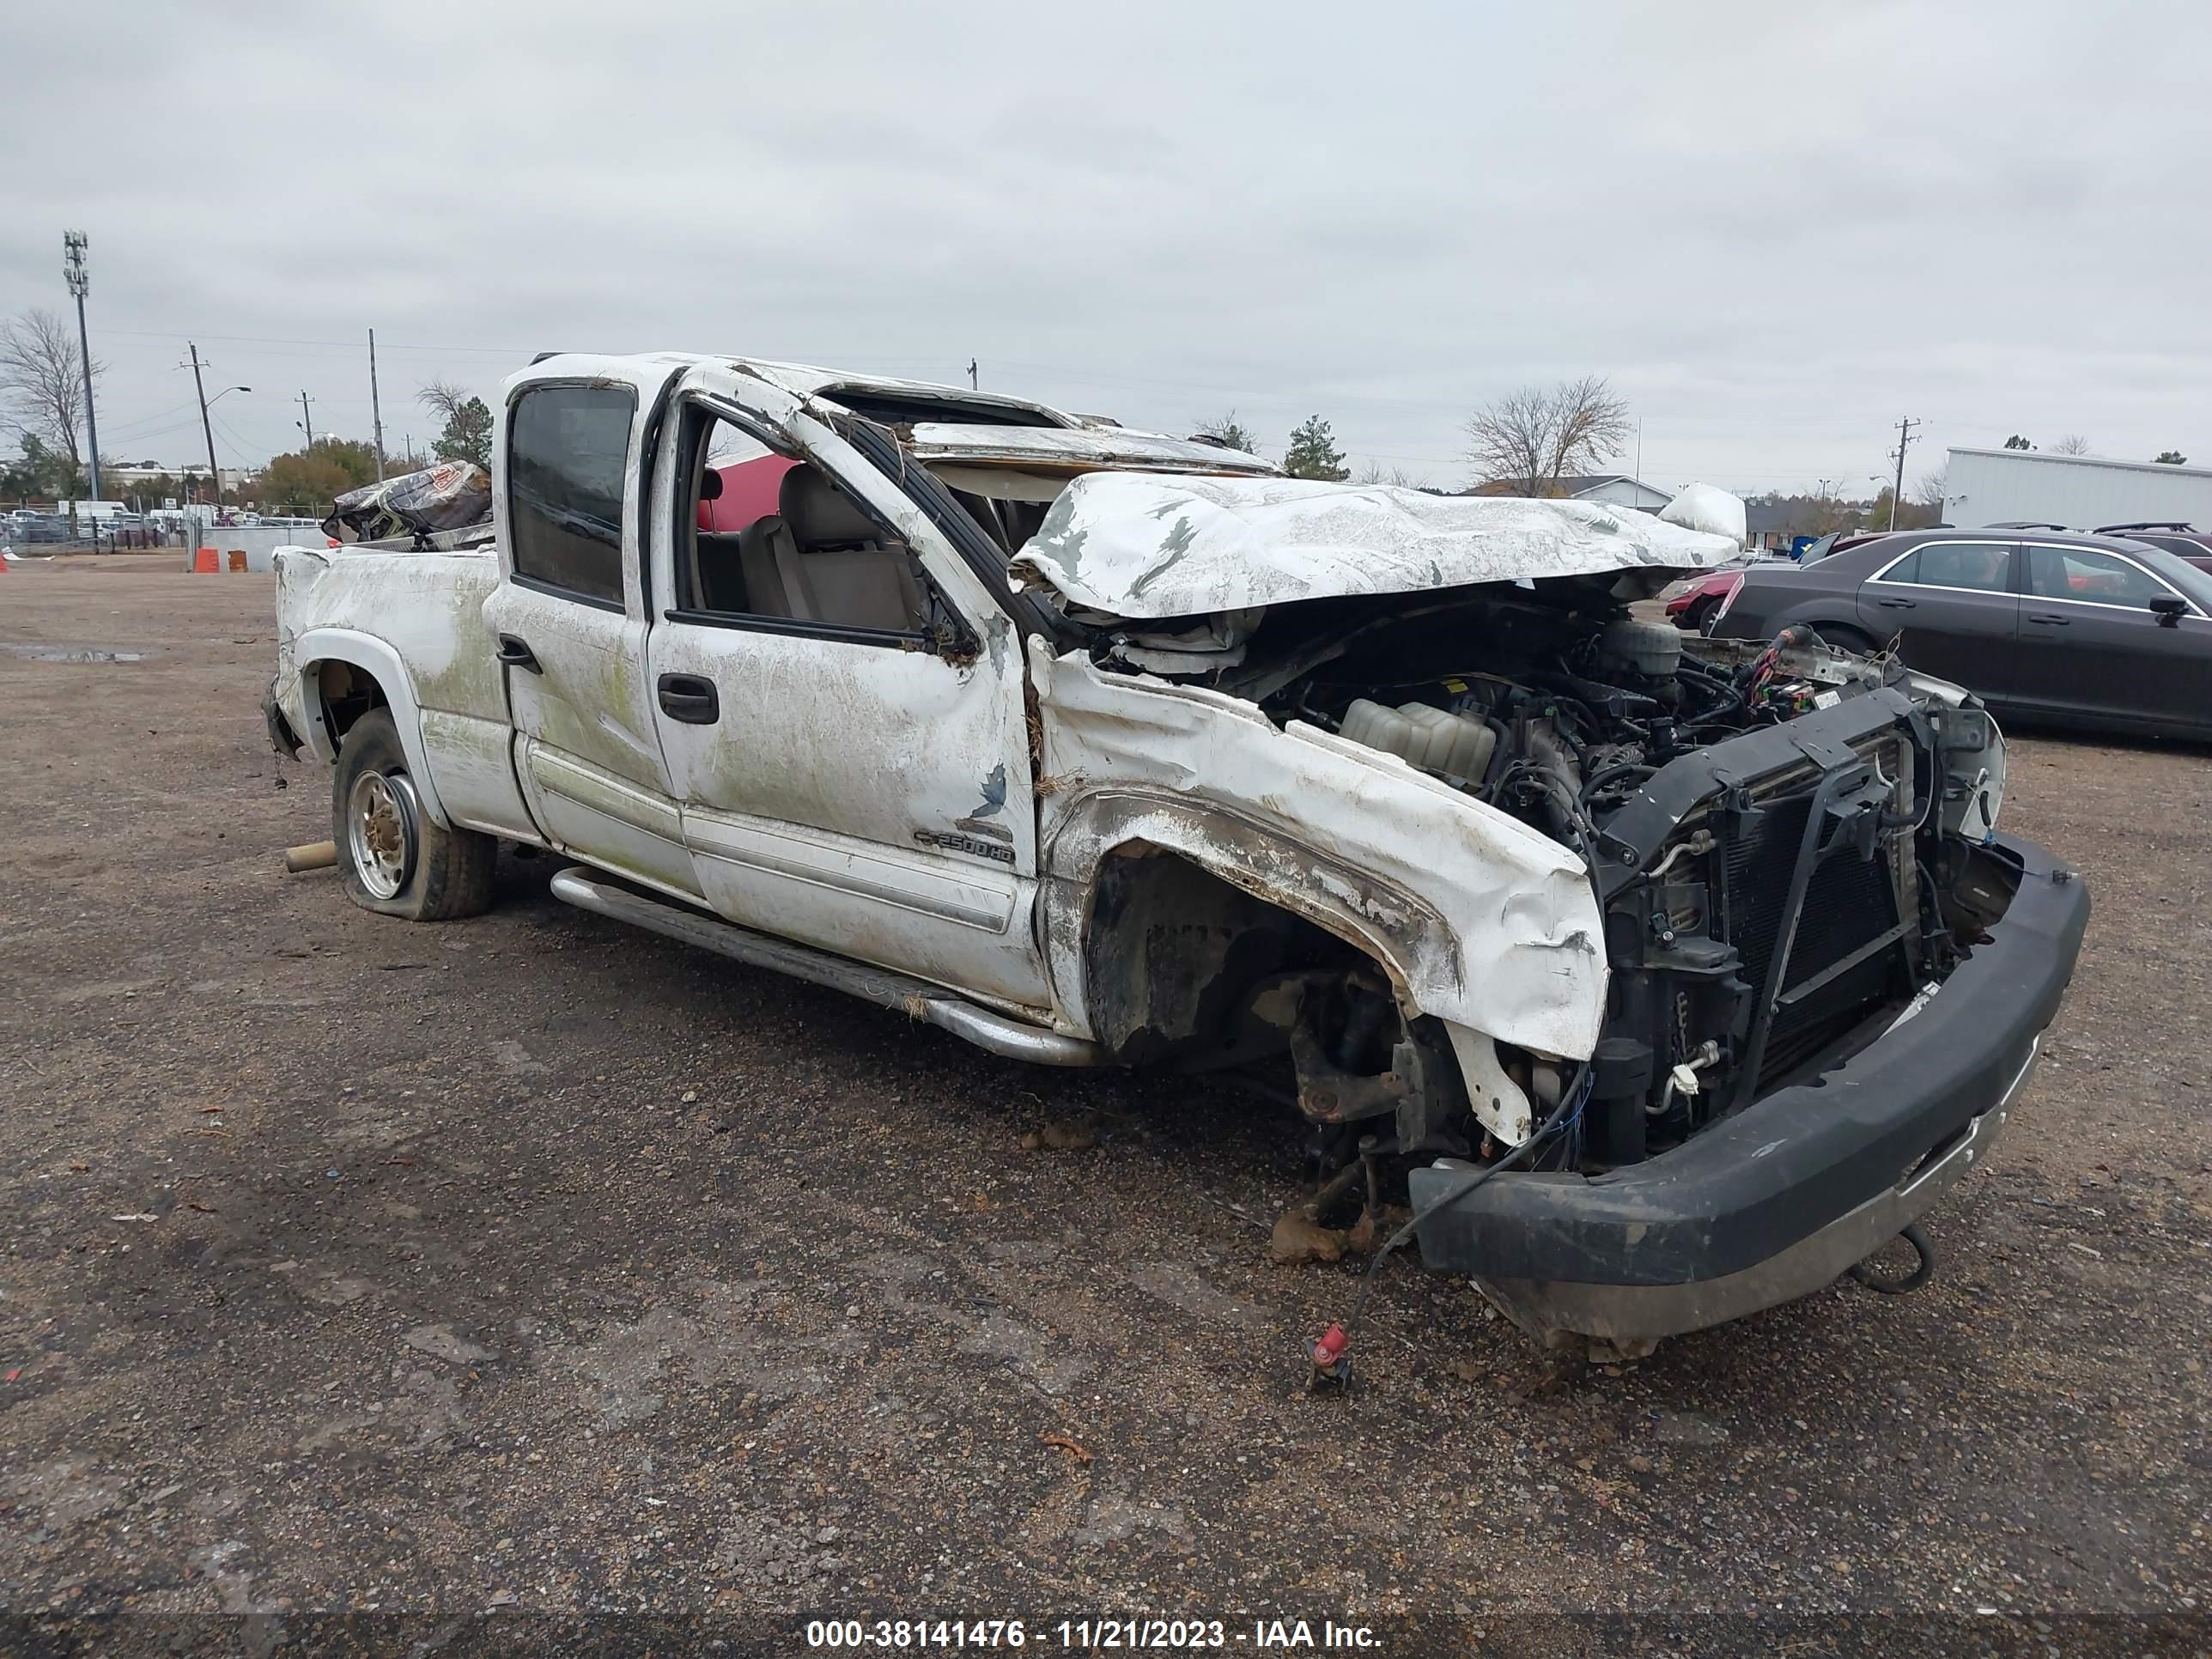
{"x": 1078, "y": 448}
{"x": 1142, "y": 546}
{"x": 1478, "y": 918}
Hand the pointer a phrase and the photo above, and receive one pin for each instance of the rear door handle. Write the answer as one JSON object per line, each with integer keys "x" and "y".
{"x": 515, "y": 652}
{"x": 691, "y": 698}
{"x": 2052, "y": 621}
{"x": 1895, "y": 604}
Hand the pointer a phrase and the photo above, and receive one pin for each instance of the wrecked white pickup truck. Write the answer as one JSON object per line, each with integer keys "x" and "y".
{"x": 1095, "y": 747}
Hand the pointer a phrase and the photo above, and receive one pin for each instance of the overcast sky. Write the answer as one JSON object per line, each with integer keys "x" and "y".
{"x": 1776, "y": 228}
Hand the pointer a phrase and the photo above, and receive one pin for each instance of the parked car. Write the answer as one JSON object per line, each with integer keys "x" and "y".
{"x": 2090, "y": 631}
{"x": 1686, "y": 973}
{"x": 2184, "y": 541}
{"x": 1692, "y": 602}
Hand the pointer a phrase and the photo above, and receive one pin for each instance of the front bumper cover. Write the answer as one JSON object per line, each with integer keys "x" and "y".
{"x": 1773, "y": 1203}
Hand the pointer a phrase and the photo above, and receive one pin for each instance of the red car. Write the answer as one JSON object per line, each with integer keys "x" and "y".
{"x": 1694, "y": 600}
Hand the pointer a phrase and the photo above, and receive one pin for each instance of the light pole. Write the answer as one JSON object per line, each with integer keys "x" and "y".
{"x": 79, "y": 278}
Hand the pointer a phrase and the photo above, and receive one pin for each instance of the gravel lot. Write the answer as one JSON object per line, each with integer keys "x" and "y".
{"x": 535, "y": 1265}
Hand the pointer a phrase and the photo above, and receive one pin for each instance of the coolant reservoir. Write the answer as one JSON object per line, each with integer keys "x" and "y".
{"x": 1427, "y": 737}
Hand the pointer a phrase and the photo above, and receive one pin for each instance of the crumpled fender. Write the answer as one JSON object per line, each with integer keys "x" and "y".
{"x": 1479, "y": 920}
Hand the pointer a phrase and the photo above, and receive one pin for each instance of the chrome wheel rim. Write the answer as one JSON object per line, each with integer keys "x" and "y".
{"x": 380, "y": 831}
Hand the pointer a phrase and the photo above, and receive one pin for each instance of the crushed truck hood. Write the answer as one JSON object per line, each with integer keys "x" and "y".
{"x": 1144, "y": 546}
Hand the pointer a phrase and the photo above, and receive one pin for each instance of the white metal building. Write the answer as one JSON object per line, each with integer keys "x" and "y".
{"x": 1617, "y": 489}
{"x": 2030, "y": 486}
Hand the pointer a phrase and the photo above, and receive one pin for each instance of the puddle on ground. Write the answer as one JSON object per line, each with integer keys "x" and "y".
{"x": 71, "y": 654}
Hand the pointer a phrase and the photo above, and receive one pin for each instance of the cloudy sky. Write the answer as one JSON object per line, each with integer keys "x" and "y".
{"x": 1776, "y": 228}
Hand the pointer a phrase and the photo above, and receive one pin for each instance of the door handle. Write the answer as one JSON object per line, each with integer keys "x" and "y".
{"x": 2050, "y": 622}
{"x": 1895, "y": 604}
{"x": 691, "y": 698}
{"x": 515, "y": 652}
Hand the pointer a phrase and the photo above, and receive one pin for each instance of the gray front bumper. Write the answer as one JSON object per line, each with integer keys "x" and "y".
{"x": 1632, "y": 1318}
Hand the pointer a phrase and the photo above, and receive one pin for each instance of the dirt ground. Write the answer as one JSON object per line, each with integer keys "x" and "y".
{"x": 528, "y": 1269}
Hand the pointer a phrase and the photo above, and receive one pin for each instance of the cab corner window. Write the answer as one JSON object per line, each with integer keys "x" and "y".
{"x": 567, "y": 450}
{"x": 780, "y": 540}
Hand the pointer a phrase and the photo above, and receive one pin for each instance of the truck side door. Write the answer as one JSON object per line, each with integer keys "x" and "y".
{"x": 570, "y": 622}
{"x": 840, "y": 705}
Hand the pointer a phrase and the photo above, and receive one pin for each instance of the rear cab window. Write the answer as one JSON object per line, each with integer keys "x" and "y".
{"x": 568, "y": 454}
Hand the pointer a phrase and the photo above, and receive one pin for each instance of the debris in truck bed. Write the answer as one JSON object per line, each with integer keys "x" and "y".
{"x": 450, "y": 495}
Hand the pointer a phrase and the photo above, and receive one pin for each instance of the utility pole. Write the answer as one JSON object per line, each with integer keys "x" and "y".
{"x": 375, "y": 410}
{"x": 207, "y": 431}
{"x": 307, "y": 421}
{"x": 1903, "y": 440}
{"x": 971, "y": 374}
{"x": 74, "y": 245}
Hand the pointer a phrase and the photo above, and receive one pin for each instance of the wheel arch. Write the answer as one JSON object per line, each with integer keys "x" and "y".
{"x": 318, "y": 650}
{"x": 1081, "y": 919}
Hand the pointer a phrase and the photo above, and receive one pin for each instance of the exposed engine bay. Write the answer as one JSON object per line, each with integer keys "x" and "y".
{"x": 1784, "y": 840}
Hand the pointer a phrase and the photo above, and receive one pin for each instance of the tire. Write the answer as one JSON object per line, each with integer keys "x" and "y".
{"x": 1693, "y": 617}
{"x": 392, "y": 858}
{"x": 1845, "y": 637}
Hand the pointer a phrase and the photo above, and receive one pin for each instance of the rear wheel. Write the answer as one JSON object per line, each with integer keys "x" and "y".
{"x": 392, "y": 858}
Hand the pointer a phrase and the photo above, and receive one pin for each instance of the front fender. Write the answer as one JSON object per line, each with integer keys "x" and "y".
{"x": 1480, "y": 920}
{"x": 376, "y": 658}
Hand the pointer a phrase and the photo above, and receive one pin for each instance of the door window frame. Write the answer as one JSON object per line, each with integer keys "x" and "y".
{"x": 2015, "y": 563}
{"x": 631, "y": 452}
{"x": 959, "y": 630}
{"x": 2028, "y": 547}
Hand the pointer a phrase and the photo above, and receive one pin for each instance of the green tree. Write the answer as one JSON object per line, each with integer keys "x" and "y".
{"x": 41, "y": 473}
{"x": 1230, "y": 433}
{"x": 305, "y": 482}
{"x": 2017, "y": 443}
{"x": 2170, "y": 458}
{"x": 467, "y": 435}
{"x": 1312, "y": 454}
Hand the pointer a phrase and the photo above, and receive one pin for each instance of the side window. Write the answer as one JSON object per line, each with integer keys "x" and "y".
{"x": 776, "y": 539}
{"x": 567, "y": 447}
{"x": 1983, "y": 567}
{"x": 2082, "y": 573}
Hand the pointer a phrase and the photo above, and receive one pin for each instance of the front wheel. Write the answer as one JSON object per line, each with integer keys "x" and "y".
{"x": 392, "y": 858}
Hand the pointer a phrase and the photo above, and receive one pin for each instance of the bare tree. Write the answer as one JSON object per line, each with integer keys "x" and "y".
{"x": 1230, "y": 432}
{"x": 443, "y": 399}
{"x": 2072, "y": 444}
{"x": 1929, "y": 491}
{"x": 1395, "y": 477}
{"x": 42, "y": 380}
{"x": 1533, "y": 438}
